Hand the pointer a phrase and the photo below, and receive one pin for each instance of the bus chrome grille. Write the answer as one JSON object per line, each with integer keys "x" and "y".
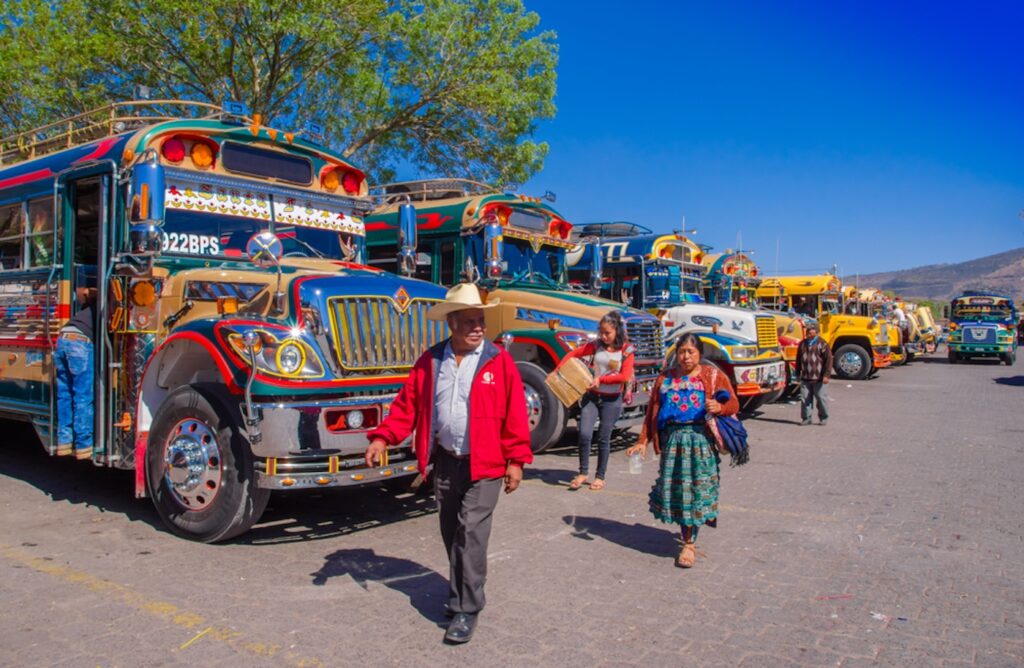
{"x": 767, "y": 332}
{"x": 645, "y": 335}
{"x": 372, "y": 333}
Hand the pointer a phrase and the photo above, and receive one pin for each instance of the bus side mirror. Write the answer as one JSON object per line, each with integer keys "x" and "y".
{"x": 407, "y": 240}
{"x": 147, "y": 208}
{"x": 493, "y": 247}
{"x": 264, "y": 250}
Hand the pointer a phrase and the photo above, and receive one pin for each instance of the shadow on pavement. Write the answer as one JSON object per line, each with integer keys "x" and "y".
{"x": 427, "y": 590}
{"x": 639, "y": 537}
{"x": 1012, "y": 381}
{"x": 319, "y": 514}
{"x": 553, "y": 477}
{"x": 66, "y": 479}
{"x": 290, "y": 517}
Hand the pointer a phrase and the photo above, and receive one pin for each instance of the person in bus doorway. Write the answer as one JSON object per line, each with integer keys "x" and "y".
{"x": 73, "y": 360}
{"x": 685, "y": 395}
{"x": 610, "y": 358}
{"x": 813, "y": 368}
{"x": 464, "y": 400}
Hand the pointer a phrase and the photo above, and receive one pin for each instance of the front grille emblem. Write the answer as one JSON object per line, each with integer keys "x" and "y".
{"x": 402, "y": 299}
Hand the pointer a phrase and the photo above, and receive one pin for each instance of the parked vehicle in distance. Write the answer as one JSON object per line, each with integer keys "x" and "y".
{"x": 982, "y": 324}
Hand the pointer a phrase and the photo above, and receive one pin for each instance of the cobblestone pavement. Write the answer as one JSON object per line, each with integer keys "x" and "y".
{"x": 893, "y": 536}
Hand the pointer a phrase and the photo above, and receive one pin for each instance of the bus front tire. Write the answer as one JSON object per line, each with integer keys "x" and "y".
{"x": 1008, "y": 358}
{"x": 199, "y": 468}
{"x": 852, "y": 362}
{"x": 544, "y": 411}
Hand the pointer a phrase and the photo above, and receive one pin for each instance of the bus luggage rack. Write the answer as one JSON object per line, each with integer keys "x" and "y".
{"x": 113, "y": 119}
{"x": 431, "y": 189}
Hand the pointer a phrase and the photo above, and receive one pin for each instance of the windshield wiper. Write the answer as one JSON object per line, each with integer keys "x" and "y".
{"x": 305, "y": 245}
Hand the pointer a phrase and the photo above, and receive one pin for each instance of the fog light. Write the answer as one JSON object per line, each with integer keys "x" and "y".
{"x": 354, "y": 419}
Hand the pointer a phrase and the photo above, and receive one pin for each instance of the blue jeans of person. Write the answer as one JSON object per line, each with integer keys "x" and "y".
{"x": 811, "y": 392}
{"x": 73, "y": 361}
{"x": 608, "y": 410}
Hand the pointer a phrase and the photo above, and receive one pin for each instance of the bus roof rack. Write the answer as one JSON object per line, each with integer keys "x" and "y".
{"x": 113, "y": 119}
{"x": 618, "y": 228}
{"x": 426, "y": 190}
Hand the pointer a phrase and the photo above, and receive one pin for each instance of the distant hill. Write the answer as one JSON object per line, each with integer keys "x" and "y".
{"x": 1003, "y": 272}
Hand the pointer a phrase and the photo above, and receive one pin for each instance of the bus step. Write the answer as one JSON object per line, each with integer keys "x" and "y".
{"x": 45, "y": 434}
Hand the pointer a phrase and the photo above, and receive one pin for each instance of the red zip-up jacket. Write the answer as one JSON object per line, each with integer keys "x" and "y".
{"x": 498, "y": 431}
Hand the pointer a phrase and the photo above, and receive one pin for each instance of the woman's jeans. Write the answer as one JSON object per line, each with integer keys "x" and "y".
{"x": 608, "y": 409}
{"x": 73, "y": 361}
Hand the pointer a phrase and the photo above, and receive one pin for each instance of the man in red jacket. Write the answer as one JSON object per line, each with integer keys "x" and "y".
{"x": 464, "y": 400}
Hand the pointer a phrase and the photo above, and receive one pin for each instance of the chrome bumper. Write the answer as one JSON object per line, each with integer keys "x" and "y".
{"x": 300, "y": 428}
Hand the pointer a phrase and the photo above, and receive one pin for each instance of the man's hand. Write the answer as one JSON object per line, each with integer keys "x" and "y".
{"x": 513, "y": 476}
{"x": 374, "y": 453}
{"x": 825, "y": 380}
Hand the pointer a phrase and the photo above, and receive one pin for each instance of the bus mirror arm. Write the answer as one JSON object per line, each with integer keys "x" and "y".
{"x": 252, "y": 414}
{"x": 173, "y": 318}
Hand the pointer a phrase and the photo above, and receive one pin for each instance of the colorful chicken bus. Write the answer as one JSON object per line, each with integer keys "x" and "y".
{"x": 666, "y": 271}
{"x": 732, "y": 278}
{"x": 516, "y": 248}
{"x": 860, "y": 344}
{"x": 639, "y": 268}
{"x": 873, "y": 303}
{"x": 241, "y": 346}
{"x": 982, "y": 324}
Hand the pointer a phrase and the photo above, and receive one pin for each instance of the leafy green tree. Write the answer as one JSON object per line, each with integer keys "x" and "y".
{"x": 443, "y": 87}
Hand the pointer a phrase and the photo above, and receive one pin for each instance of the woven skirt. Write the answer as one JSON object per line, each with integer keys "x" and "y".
{"x": 686, "y": 491}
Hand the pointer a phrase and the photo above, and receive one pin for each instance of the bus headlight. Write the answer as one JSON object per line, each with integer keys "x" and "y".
{"x": 742, "y": 352}
{"x": 290, "y": 358}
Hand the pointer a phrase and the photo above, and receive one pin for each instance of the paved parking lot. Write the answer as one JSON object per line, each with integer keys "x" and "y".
{"x": 891, "y": 537}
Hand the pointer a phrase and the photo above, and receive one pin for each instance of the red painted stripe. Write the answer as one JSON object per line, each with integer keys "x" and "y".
{"x": 523, "y": 339}
{"x": 26, "y": 178}
{"x": 34, "y": 342}
{"x": 101, "y": 148}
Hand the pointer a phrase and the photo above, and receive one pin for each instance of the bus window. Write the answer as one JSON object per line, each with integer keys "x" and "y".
{"x": 86, "y": 227}
{"x": 447, "y": 258}
{"x": 383, "y": 257}
{"x": 40, "y": 232}
{"x": 12, "y": 224}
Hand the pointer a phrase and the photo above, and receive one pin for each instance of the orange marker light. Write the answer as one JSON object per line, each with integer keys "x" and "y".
{"x": 330, "y": 180}
{"x": 202, "y": 154}
{"x": 143, "y": 293}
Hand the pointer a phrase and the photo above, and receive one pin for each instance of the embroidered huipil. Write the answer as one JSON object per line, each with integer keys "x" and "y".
{"x": 682, "y": 400}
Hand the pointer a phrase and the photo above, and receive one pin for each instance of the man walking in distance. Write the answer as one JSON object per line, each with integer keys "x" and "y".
{"x": 464, "y": 400}
{"x": 813, "y": 368}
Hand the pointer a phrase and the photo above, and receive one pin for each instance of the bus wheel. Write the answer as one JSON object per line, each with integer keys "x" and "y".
{"x": 544, "y": 411}
{"x": 1008, "y": 358}
{"x": 199, "y": 468}
{"x": 953, "y": 357}
{"x": 852, "y": 362}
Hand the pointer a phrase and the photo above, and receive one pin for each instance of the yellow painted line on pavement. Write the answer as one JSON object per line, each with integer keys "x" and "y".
{"x": 723, "y": 506}
{"x": 161, "y": 609}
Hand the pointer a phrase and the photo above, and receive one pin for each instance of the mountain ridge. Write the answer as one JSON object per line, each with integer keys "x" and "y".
{"x": 1002, "y": 272}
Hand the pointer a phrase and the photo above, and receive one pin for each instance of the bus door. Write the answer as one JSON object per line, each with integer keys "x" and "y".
{"x": 85, "y": 213}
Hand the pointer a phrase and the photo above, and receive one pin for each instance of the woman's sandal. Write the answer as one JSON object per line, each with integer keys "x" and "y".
{"x": 577, "y": 482}
{"x": 687, "y": 556}
{"x": 597, "y": 485}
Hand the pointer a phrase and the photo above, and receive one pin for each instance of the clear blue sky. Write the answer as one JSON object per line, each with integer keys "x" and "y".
{"x": 873, "y": 135}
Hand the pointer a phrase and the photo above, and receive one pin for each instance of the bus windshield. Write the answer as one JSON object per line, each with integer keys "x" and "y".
{"x": 543, "y": 267}
{"x": 982, "y": 313}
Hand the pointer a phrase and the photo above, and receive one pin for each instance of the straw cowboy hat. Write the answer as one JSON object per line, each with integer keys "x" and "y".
{"x": 463, "y": 296}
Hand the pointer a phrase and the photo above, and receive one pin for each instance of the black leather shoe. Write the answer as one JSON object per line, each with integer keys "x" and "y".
{"x": 461, "y": 628}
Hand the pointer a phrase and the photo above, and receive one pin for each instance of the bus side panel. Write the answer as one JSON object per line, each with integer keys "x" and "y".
{"x": 31, "y": 311}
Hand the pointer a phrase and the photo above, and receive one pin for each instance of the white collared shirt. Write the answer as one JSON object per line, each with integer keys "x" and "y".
{"x": 451, "y": 399}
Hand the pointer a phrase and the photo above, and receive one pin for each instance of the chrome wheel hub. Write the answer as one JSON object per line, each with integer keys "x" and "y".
{"x": 534, "y": 407}
{"x": 851, "y": 364}
{"x": 192, "y": 464}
